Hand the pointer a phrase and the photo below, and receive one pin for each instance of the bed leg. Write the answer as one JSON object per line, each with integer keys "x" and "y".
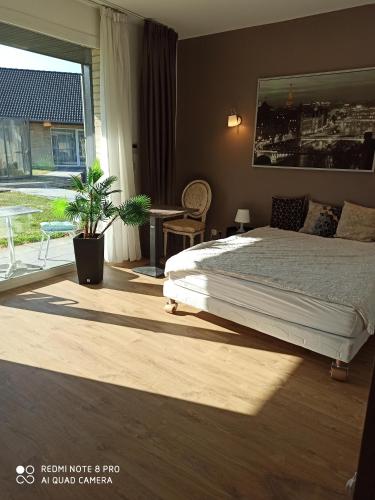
{"x": 171, "y": 306}
{"x": 339, "y": 370}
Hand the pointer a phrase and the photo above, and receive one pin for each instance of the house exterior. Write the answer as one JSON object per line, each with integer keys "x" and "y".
{"x": 41, "y": 122}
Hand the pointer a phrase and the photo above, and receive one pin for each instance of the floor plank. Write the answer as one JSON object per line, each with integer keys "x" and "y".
{"x": 189, "y": 406}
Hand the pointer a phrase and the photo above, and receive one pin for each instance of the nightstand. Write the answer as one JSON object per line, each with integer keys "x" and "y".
{"x": 231, "y": 231}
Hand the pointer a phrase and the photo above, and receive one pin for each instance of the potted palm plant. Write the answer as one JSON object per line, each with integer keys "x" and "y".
{"x": 94, "y": 211}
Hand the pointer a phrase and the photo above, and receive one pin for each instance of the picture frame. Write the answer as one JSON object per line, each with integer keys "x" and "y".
{"x": 316, "y": 121}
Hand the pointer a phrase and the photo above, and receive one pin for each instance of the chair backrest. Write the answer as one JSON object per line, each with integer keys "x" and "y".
{"x": 197, "y": 195}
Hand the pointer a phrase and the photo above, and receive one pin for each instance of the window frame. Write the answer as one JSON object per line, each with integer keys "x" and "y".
{"x": 76, "y": 131}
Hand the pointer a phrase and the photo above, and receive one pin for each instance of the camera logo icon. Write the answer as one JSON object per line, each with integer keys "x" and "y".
{"x": 25, "y": 474}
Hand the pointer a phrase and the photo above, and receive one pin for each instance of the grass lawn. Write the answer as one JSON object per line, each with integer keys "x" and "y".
{"x": 27, "y": 227}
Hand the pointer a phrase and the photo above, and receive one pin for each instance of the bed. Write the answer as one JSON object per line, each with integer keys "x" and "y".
{"x": 314, "y": 292}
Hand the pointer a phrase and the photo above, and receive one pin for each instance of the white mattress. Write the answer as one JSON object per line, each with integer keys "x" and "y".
{"x": 289, "y": 306}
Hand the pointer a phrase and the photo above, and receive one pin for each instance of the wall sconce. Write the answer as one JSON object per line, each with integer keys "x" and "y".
{"x": 47, "y": 124}
{"x": 234, "y": 119}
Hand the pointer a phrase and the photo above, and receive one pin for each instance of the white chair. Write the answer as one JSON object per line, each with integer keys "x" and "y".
{"x": 196, "y": 196}
{"x": 47, "y": 229}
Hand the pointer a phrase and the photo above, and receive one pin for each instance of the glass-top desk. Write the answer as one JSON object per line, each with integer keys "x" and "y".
{"x": 8, "y": 213}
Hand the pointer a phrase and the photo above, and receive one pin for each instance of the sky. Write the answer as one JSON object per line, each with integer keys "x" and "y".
{"x": 23, "y": 59}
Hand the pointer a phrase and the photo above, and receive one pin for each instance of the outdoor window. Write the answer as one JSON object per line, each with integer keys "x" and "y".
{"x": 68, "y": 147}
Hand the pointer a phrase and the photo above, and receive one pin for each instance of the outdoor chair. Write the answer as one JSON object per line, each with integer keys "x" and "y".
{"x": 49, "y": 228}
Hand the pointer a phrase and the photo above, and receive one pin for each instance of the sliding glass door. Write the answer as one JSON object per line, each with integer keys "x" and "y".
{"x": 53, "y": 140}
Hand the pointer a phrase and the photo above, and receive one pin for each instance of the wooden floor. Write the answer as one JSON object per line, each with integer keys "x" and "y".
{"x": 189, "y": 406}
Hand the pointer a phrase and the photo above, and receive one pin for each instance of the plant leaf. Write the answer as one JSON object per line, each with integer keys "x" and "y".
{"x": 77, "y": 183}
{"x": 135, "y": 211}
{"x": 103, "y": 187}
{"x": 58, "y": 207}
{"x": 94, "y": 172}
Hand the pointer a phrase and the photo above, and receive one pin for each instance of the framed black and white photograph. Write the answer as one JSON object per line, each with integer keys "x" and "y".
{"x": 322, "y": 121}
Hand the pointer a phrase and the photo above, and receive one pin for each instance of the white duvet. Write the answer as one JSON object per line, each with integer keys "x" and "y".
{"x": 330, "y": 269}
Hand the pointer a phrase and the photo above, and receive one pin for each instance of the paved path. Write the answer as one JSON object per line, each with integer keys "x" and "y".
{"x": 52, "y": 185}
{"x": 51, "y": 193}
{"x": 60, "y": 253}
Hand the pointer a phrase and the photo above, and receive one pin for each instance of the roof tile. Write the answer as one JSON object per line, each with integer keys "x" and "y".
{"x": 41, "y": 95}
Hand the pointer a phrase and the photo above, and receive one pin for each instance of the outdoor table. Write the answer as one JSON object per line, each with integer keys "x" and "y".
{"x": 157, "y": 215}
{"x": 8, "y": 213}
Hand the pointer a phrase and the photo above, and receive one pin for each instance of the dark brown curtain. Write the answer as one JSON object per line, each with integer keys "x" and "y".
{"x": 158, "y": 113}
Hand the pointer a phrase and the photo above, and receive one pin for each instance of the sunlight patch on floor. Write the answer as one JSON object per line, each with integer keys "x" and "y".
{"x": 248, "y": 399}
{"x": 234, "y": 378}
{"x": 127, "y": 340}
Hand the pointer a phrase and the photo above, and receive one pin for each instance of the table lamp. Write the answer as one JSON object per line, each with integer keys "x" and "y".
{"x": 243, "y": 217}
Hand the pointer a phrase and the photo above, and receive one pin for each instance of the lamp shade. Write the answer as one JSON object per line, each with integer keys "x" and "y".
{"x": 234, "y": 120}
{"x": 242, "y": 216}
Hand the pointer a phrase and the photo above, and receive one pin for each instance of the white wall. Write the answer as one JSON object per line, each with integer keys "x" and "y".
{"x": 69, "y": 20}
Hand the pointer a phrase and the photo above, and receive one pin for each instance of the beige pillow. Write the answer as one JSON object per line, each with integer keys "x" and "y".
{"x": 356, "y": 223}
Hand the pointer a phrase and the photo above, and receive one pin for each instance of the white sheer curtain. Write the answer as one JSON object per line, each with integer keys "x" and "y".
{"x": 122, "y": 242}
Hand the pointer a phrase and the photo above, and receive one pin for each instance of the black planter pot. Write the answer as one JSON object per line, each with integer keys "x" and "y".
{"x": 89, "y": 253}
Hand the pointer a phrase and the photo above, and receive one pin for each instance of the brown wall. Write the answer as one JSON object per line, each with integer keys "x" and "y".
{"x": 219, "y": 72}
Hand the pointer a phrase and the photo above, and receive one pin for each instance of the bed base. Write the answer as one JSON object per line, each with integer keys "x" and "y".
{"x": 171, "y": 306}
{"x": 339, "y": 369}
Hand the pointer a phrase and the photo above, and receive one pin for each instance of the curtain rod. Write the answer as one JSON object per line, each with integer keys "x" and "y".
{"x": 105, "y": 3}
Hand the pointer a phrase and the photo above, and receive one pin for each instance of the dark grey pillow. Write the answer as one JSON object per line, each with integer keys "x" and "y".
{"x": 288, "y": 213}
